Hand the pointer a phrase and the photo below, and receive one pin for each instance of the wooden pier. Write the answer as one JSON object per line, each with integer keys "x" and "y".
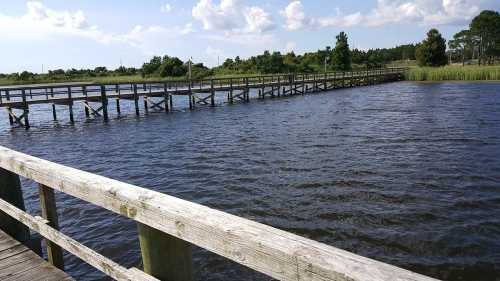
{"x": 167, "y": 228}
{"x": 19, "y": 263}
{"x": 158, "y": 95}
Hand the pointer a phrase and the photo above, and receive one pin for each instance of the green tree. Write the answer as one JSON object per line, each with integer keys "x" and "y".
{"x": 461, "y": 44}
{"x": 432, "y": 51}
{"x": 171, "y": 66}
{"x": 152, "y": 66}
{"x": 341, "y": 57}
{"x": 486, "y": 26}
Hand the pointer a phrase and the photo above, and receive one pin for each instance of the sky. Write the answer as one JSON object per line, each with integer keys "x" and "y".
{"x": 52, "y": 34}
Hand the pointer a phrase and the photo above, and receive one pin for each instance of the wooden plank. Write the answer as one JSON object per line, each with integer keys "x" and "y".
{"x": 21, "y": 264}
{"x": 274, "y": 252}
{"x": 98, "y": 261}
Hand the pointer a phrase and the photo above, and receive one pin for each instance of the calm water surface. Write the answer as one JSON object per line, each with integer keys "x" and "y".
{"x": 405, "y": 173}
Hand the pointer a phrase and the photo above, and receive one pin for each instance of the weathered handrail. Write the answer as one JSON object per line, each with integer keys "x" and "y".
{"x": 274, "y": 252}
{"x": 207, "y": 80}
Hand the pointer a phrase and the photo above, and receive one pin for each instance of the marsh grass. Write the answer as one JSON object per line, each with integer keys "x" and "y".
{"x": 454, "y": 73}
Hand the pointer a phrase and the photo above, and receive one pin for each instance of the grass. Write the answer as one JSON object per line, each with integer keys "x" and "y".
{"x": 454, "y": 73}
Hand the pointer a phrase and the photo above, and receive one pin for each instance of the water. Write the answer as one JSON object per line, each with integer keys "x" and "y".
{"x": 405, "y": 173}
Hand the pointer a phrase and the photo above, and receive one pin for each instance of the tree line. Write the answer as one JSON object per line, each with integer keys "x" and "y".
{"x": 481, "y": 42}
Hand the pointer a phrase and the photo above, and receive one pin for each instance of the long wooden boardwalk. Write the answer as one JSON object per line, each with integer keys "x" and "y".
{"x": 18, "y": 263}
{"x": 157, "y": 95}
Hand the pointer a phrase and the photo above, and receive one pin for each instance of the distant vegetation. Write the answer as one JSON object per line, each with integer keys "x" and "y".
{"x": 480, "y": 44}
{"x": 454, "y": 73}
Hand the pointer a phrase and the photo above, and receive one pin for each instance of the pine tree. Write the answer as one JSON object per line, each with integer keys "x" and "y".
{"x": 341, "y": 56}
{"x": 432, "y": 51}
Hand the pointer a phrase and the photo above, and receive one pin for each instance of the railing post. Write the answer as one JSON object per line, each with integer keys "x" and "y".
{"x": 104, "y": 100}
{"x": 49, "y": 212}
{"x": 212, "y": 93}
{"x": 9, "y": 109}
{"x": 164, "y": 256}
{"x": 26, "y": 110}
{"x": 136, "y": 99}
{"x": 70, "y": 105}
{"x": 10, "y": 191}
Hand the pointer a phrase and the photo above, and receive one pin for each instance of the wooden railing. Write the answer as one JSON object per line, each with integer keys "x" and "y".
{"x": 168, "y": 226}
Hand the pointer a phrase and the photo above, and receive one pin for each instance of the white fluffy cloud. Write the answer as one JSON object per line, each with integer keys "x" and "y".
{"x": 232, "y": 17}
{"x": 295, "y": 16}
{"x": 41, "y": 22}
{"x": 424, "y": 12}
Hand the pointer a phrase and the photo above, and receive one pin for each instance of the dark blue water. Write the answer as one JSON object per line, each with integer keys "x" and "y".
{"x": 405, "y": 173}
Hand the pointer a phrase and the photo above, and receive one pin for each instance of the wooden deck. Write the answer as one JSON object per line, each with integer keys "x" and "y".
{"x": 18, "y": 263}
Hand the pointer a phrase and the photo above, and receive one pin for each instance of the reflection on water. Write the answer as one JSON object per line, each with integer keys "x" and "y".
{"x": 405, "y": 173}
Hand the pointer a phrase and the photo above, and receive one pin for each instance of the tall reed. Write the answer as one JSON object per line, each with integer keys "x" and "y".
{"x": 454, "y": 73}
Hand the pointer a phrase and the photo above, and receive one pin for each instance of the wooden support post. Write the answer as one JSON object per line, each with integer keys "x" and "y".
{"x": 25, "y": 111}
{"x": 104, "y": 101}
{"x": 231, "y": 100}
{"x": 87, "y": 112}
{"x": 7, "y": 96}
{"x": 145, "y": 100}
{"x": 71, "y": 119}
{"x": 118, "y": 90}
{"x": 10, "y": 191}
{"x": 118, "y": 110}
{"x": 191, "y": 99}
{"x": 247, "y": 90}
{"x": 136, "y": 99}
{"x": 166, "y": 97}
{"x": 54, "y": 113}
{"x": 11, "y": 120}
{"x": 164, "y": 256}
{"x": 212, "y": 93}
{"x": 49, "y": 212}
{"x": 279, "y": 86}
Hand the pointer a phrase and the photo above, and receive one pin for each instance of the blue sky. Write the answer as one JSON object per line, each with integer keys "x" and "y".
{"x": 85, "y": 34}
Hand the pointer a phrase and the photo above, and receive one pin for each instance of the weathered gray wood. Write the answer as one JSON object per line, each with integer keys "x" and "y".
{"x": 274, "y": 252}
{"x": 104, "y": 100}
{"x": 10, "y": 191}
{"x": 70, "y": 105}
{"x": 18, "y": 263}
{"x": 49, "y": 212}
{"x": 164, "y": 256}
{"x": 98, "y": 261}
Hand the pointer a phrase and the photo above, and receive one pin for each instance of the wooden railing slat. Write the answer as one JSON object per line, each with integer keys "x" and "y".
{"x": 98, "y": 261}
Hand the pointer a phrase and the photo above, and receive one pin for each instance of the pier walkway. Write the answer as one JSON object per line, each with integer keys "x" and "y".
{"x": 157, "y": 95}
{"x": 18, "y": 263}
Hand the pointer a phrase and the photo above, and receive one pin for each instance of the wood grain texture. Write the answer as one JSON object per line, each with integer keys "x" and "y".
{"x": 274, "y": 252}
{"x": 93, "y": 258}
{"x": 18, "y": 263}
